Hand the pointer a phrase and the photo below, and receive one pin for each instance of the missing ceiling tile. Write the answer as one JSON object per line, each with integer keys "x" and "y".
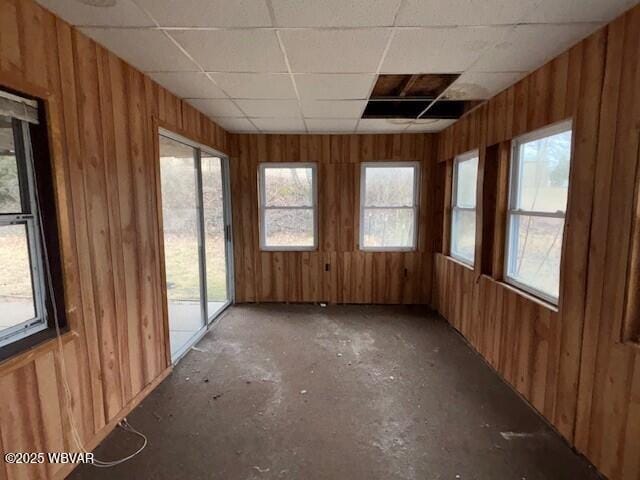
{"x": 450, "y": 109}
{"x": 425, "y": 86}
{"x": 395, "y": 109}
{"x": 419, "y": 96}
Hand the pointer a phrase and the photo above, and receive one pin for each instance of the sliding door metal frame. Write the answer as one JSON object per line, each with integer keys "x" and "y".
{"x": 202, "y": 254}
{"x": 228, "y": 230}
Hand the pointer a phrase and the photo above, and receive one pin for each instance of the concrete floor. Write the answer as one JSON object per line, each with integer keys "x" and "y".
{"x": 185, "y": 323}
{"x": 343, "y": 392}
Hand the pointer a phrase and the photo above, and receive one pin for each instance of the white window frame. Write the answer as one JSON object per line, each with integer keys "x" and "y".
{"x": 414, "y": 207}
{"x": 454, "y": 207}
{"x": 514, "y": 179}
{"x": 262, "y": 207}
{"x": 29, "y": 217}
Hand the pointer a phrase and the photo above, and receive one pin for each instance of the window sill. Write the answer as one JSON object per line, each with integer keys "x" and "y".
{"x": 44, "y": 346}
{"x": 288, "y": 249}
{"x": 460, "y": 262}
{"x": 387, "y": 250}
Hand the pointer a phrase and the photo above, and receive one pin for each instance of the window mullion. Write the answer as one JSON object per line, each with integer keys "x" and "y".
{"x": 534, "y": 213}
{"x": 271, "y": 207}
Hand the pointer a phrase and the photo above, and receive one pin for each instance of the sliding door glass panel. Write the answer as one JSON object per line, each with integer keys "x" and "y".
{"x": 214, "y": 233}
{"x": 180, "y": 218}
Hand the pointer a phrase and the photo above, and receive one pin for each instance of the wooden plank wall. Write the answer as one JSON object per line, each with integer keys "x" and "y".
{"x": 570, "y": 363}
{"x": 102, "y": 116}
{"x": 353, "y": 276}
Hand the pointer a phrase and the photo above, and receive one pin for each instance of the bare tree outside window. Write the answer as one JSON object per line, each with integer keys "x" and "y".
{"x": 388, "y": 205}
{"x": 287, "y": 206}
{"x": 538, "y": 202}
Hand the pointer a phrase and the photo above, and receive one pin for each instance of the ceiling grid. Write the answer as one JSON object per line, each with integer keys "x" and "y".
{"x": 308, "y": 66}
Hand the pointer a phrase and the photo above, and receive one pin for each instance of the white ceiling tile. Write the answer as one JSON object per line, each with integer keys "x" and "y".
{"x": 554, "y": 11}
{"x": 480, "y": 86}
{"x": 335, "y": 51}
{"x": 424, "y": 13}
{"x": 270, "y": 108}
{"x": 219, "y": 107}
{"x": 331, "y": 125}
{"x": 123, "y": 13}
{"x": 256, "y": 85}
{"x": 439, "y": 50}
{"x": 235, "y": 124}
{"x": 208, "y": 13}
{"x": 280, "y": 125}
{"x": 429, "y": 125}
{"x": 382, "y": 125}
{"x": 334, "y": 13}
{"x": 333, "y": 108}
{"x": 243, "y": 50}
{"x": 334, "y": 86}
{"x": 147, "y": 50}
{"x": 188, "y": 84}
{"x": 527, "y": 47}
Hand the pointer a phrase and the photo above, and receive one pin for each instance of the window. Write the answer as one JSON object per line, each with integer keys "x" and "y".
{"x": 288, "y": 218}
{"x": 24, "y": 304}
{"x": 537, "y": 204}
{"x": 388, "y": 205}
{"x": 463, "y": 207}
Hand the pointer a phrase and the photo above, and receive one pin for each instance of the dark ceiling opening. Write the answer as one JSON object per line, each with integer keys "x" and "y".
{"x": 415, "y": 96}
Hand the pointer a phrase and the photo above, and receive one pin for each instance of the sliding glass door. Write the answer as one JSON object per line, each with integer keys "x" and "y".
{"x": 216, "y": 232}
{"x": 197, "y": 238}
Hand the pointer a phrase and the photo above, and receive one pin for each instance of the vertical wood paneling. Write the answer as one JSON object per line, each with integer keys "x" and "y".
{"x": 608, "y": 401}
{"x": 99, "y": 230}
{"x": 102, "y": 116}
{"x": 571, "y": 363}
{"x": 353, "y": 276}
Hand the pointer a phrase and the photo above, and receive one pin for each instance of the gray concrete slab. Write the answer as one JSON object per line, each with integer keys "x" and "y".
{"x": 343, "y": 392}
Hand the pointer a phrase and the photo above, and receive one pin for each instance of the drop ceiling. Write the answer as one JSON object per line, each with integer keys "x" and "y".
{"x": 309, "y": 66}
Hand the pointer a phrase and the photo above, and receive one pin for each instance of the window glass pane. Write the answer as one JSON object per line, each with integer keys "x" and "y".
{"x": 9, "y": 183}
{"x": 463, "y": 234}
{"x": 181, "y": 245}
{"x": 288, "y": 187}
{"x": 466, "y": 179}
{"x": 16, "y": 292}
{"x": 180, "y": 220}
{"x": 388, "y": 227}
{"x": 289, "y": 227}
{"x": 389, "y": 186}
{"x": 535, "y": 245}
{"x": 213, "y": 209}
{"x": 544, "y": 173}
